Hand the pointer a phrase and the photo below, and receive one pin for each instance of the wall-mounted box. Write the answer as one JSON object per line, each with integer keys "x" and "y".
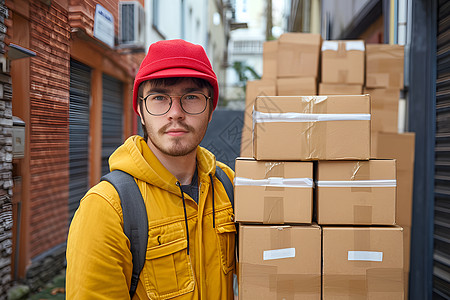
{"x": 18, "y": 138}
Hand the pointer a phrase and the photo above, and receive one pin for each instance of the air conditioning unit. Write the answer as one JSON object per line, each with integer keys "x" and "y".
{"x": 131, "y": 24}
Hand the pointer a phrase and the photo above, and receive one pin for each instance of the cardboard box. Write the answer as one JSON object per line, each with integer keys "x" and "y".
{"x": 362, "y": 263}
{"x": 298, "y": 55}
{"x": 279, "y": 262}
{"x": 255, "y": 88}
{"x": 384, "y": 66}
{"x": 384, "y": 108}
{"x": 400, "y": 146}
{"x": 343, "y": 62}
{"x": 406, "y": 257}
{"x": 339, "y": 89}
{"x": 270, "y": 49}
{"x": 356, "y": 192}
{"x": 312, "y": 128}
{"x": 273, "y": 192}
{"x": 295, "y": 86}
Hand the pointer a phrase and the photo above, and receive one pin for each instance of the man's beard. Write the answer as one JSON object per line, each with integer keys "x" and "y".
{"x": 177, "y": 147}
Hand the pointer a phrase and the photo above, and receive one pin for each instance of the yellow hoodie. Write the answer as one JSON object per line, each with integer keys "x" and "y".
{"x": 98, "y": 256}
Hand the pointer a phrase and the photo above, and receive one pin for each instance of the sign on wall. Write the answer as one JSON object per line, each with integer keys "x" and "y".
{"x": 104, "y": 25}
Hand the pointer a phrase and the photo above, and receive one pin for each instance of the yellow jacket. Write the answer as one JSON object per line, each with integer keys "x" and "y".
{"x": 98, "y": 256}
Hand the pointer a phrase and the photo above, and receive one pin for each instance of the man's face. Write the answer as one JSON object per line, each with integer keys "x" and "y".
{"x": 175, "y": 133}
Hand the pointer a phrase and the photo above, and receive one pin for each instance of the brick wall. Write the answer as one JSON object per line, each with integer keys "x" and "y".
{"x": 51, "y": 37}
{"x": 6, "y": 157}
{"x": 49, "y": 138}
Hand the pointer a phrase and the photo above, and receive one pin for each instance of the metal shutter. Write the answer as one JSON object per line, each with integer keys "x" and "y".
{"x": 441, "y": 255}
{"x": 111, "y": 118}
{"x": 80, "y": 90}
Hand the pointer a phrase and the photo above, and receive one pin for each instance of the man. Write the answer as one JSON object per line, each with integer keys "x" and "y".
{"x": 190, "y": 250}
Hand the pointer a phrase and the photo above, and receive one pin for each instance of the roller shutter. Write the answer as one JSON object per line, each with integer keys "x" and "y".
{"x": 80, "y": 89}
{"x": 441, "y": 255}
{"x": 112, "y": 121}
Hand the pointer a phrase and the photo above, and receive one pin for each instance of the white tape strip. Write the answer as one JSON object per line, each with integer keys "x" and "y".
{"x": 357, "y": 183}
{"x": 260, "y": 117}
{"x": 275, "y": 182}
{"x": 279, "y": 254}
{"x": 365, "y": 255}
{"x": 354, "y": 45}
{"x": 330, "y": 45}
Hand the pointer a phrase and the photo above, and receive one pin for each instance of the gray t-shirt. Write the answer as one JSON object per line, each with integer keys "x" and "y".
{"x": 192, "y": 188}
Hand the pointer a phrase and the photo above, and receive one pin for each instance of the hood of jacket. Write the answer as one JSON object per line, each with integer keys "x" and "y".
{"x": 135, "y": 157}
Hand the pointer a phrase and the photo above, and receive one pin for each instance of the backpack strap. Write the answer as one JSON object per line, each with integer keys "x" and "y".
{"x": 135, "y": 220}
{"x": 226, "y": 182}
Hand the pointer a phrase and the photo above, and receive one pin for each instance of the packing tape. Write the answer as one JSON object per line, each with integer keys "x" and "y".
{"x": 275, "y": 182}
{"x": 344, "y": 285}
{"x": 288, "y": 286}
{"x": 354, "y": 45}
{"x": 361, "y": 171}
{"x": 256, "y": 274}
{"x": 273, "y": 210}
{"x": 385, "y": 280}
{"x": 362, "y": 214}
{"x": 280, "y": 237}
{"x": 279, "y": 254}
{"x": 365, "y": 256}
{"x": 311, "y": 101}
{"x": 358, "y": 183}
{"x": 330, "y": 45}
{"x": 260, "y": 117}
{"x": 274, "y": 169}
{"x": 361, "y": 242}
{"x": 284, "y": 285}
{"x": 381, "y": 282}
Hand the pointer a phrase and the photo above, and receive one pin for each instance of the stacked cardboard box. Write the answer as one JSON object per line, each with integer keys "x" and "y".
{"x": 290, "y": 67}
{"x": 333, "y": 140}
{"x": 362, "y": 263}
{"x": 254, "y": 89}
{"x": 400, "y": 146}
{"x": 333, "y": 132}
{"x": 279, "y": 248}
{"x": 359, "y": 261}
{"x": 384, "y": 80}
{"x": 279, "y": 255}
{"x": 342, "y": 67}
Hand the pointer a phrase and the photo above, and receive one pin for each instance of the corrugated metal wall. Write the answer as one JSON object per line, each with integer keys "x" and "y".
{"x": 80, "y": 90}
{"x": 441, "y": 255}
{"x": 112, "y": 120}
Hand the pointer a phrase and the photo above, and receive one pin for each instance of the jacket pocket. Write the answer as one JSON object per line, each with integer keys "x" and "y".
{"x": 226, "y": 233}
{"x": 168, "y": 270}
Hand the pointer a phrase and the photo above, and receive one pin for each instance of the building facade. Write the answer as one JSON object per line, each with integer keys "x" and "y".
{"x": 73, "y": 102}
{"x": 74, "y": 98}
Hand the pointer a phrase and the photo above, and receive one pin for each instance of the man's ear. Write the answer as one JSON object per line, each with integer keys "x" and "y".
{"x": 210, "y": 116}
{"x": 140, "y": 112}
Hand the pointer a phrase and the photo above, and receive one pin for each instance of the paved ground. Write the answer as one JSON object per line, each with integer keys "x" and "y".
{"x": 53, "y": 291}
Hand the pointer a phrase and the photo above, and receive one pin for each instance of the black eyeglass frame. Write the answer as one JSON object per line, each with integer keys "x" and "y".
{"x": 144, "y": 99}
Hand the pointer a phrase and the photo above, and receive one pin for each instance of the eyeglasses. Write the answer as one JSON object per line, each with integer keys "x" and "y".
{"x": 192, "y": 103}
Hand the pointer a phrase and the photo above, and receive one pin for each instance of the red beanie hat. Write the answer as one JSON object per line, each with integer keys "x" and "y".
{"x": 175, "y": 58}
